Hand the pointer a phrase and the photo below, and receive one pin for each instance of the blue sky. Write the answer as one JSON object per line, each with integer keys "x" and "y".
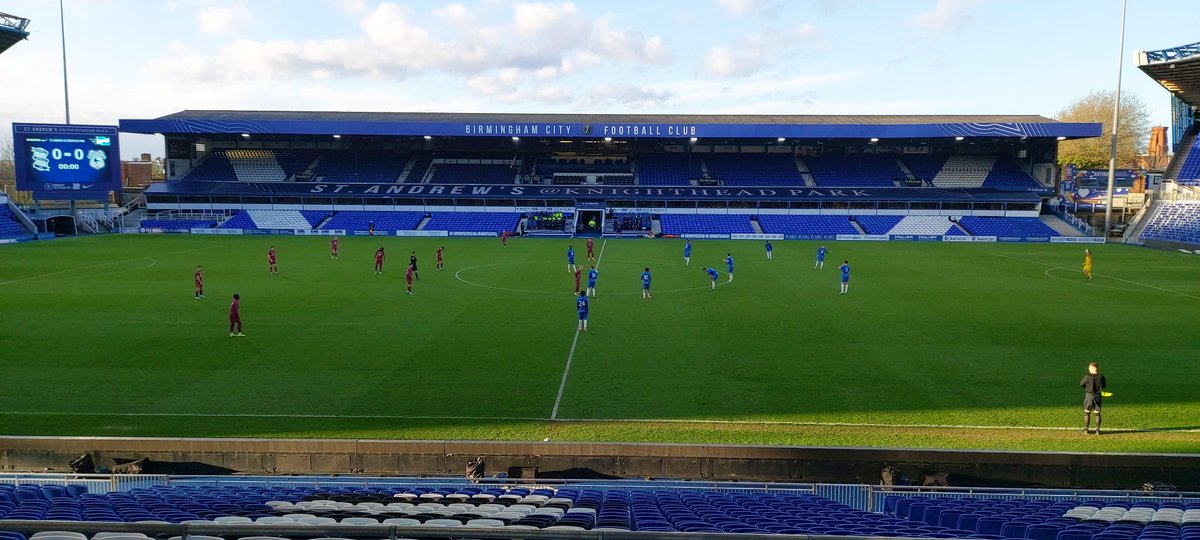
{"x": 144, "y": 58}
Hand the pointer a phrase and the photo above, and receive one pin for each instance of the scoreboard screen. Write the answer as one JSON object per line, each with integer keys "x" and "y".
{"x": 60, "y": 161}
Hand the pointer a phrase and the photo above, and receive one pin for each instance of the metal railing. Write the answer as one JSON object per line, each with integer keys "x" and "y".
{"x": 1079, "y": 224}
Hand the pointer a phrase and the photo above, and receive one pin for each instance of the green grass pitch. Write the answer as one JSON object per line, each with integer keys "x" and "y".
{"x": 937, "y": 345}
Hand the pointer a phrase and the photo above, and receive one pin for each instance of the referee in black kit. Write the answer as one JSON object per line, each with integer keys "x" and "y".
{"x": 1093, "y": 386}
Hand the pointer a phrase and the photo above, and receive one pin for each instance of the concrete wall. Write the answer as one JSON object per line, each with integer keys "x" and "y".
{"x": 795, "y": 464}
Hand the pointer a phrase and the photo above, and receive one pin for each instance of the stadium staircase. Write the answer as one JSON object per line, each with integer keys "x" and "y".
{"x": 904, "y": 168}
{"x": 421, "y": 226}
{"x": 755, "y": 225}
{"x": 804, "y": 172}
{"x": 1057, "y": 223}
{"x": 656, "y": 225}
{"x": 309, "y": 172}
{"x": 857, "y": 226}
{"x": 408, "y": 169}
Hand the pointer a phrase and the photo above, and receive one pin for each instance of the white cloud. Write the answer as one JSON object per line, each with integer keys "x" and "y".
{"x": 625, "y": 95}
{"x": 946, "y": 16}
{"x": 741, "y": 7}
{"x": 540, "y": 42}
{"x": 352, "y": 7}
{"x": 221, "y": 19}
{"x": 754, "y": 52}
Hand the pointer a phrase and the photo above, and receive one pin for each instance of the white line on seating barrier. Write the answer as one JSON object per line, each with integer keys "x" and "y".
{"x": 562, "y": 385}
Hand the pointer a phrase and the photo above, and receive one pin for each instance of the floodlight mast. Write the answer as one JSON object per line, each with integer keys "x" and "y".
{"x": 62, "y": 26}
{"x": 1116, "y": 123}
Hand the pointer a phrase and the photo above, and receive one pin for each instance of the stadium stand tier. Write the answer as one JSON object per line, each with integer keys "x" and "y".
{"x": 908, "y": 225}
{"x": 178, "y": 224}
{"x": 1050, "y": 520}
{"x": 754, "y": 169}
{"x": 251, "y": 165}
{"x": 998, "y": 226}
{"x": 860, "y": 170}
{"x": 9, "y": 226}
{"x": 382, "y": 221}
{"x": 1174, "y": 222}
{"x": 668, "y": 169}
{"x": 276, "y": 219}
{"x": 610, "y": 506}
{"x": 1007, "y": 174}
{"x": 472, "y": 173}
{"x": 806, "y": 224}
{"x": 496, "y": 222}
{"x": 1189, "y": 171}
{"x": 360, "y": 166}
{"x": 706, "y": 224}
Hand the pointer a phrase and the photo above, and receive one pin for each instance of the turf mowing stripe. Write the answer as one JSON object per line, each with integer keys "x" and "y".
{"x": 562, "y": 385}
{"x": 253, "y": 415}
{"x": 1056, "y": 267}
{"x": 89, "y": 267}
{"x": 589, "y": 420}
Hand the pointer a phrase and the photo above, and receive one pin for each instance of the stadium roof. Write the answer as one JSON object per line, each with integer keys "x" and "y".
{"x": 1177, "y": 69}
{"x": 12, "y": 30}
{"x": 605, "y": 125}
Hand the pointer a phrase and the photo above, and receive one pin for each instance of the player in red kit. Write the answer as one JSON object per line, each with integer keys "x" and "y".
{"x": 199, "y": 278}
{"x": 408, "y": 277}
{"x": 333, "y": 248}
{"x": 591, "y": 247}
{"x": 577, "y": 271}
{"x": 272, "y": 268}
{"x": 504, "y": 238}
{"x": 379, "y": 261}
{"x": 235, "y": 317}
{"x": 440, "y": 249}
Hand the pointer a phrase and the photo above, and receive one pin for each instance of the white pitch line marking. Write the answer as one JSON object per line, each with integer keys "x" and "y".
{"x": 562, "y": 384}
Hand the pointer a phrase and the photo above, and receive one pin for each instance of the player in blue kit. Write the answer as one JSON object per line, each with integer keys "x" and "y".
{"x": 687, "y": 253}
{"x": 581, "y": 306}
{"x": 571, "y": 259}
{"x": 821, "y": 251}
{"x": 592, "y": 275}
{"x": 845, "y": 268}
{"x": 729, "y": 263}
{"x": 770, "y": 249}
{"x": 712, "y": 275}
{"x": 646, "y": 283}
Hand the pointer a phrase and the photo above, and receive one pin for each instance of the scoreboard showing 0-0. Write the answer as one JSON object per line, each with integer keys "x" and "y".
{"x": 62, "y": 161}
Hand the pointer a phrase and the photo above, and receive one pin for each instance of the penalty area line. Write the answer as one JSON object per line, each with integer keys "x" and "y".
{"x": 562, "y": 384}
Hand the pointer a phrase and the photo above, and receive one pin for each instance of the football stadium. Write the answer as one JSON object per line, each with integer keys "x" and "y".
{"x": 366, "y": 325}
